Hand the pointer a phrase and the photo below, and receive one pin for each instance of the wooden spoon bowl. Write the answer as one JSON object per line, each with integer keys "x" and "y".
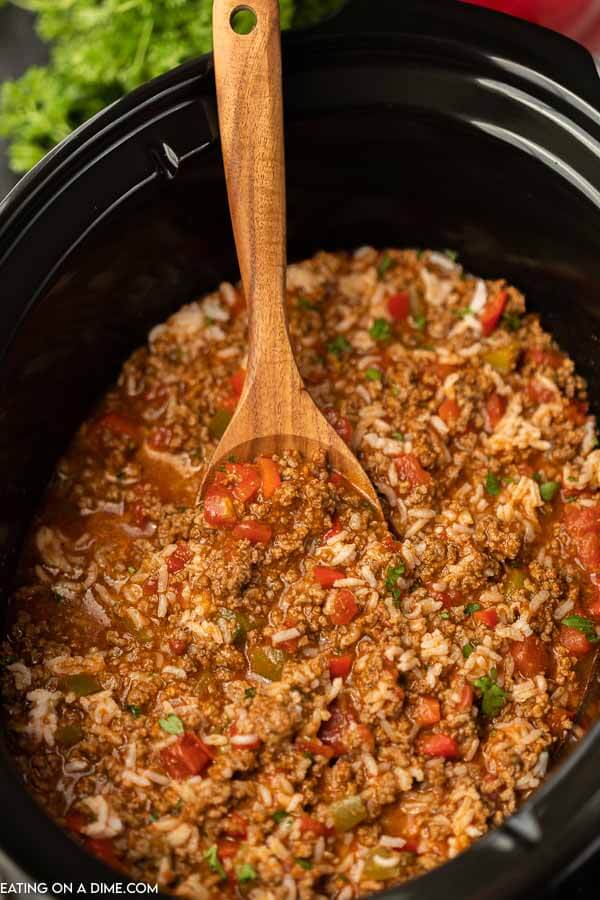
{"x": 275, "y": 411}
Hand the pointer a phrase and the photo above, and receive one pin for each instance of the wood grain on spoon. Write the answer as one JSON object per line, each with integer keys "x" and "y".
{"x": 275, "y": 412}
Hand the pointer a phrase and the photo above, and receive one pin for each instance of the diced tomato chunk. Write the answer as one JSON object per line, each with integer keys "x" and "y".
{"x": 314, "y": 746}
{"x": 237, "y": 381}
{"x": 449, "y": 411}
{"x": 160, "y": 438}
{"x": 540, "y": 357}
{"x": 178, "y": 646}
{"x": 339, "y": 666}
{"x": 255, "y": 532}
{"x": 247, "y": 480}
{"x": 271, "y": 479}
{"x": 427, "y": 711}
{"x": 308, "y": 825}
{"x": 335, "y": 529}
{"x": 227, "y": 849}
{"x": 236, "y": 826}
{"x": 441, "y": 370}
{"x": 230, "y": 403}
{"x": 118, "y": 424}
{"x": 151, "y": 585}
{"x": 343, "y": 608}
{"x": 448, "y": 599}
{"x": 440, "y": 745}
{"x": 492, "y": 312}
{"x": 538, "y": 392}
{"x": 410, "y": 469}
{"x": 583, "y": 525}
{"x": 178, "y": 558}
{"x": 219, "y": 510}
{"x": 577, "y": 412}
{"x": 495, "y": 407}
{"x": 487, "y": 617}
{"x": 399, "y": 305}
{"x": 187, "y": 756}
{"x": 574, "y": 641}
{"x": 465, "y": 697}
{"x": 339, "y": 423}
{"x": 531, "y": 656}
{"x": 326, "y": 576}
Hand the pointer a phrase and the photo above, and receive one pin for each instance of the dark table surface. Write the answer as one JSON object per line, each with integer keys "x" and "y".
{"x": 19, "y": 48}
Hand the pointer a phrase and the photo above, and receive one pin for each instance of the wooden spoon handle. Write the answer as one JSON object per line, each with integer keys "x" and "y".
{"x": 248, "y": 81}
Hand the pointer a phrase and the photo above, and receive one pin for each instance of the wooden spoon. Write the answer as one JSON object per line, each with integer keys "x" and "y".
{"x": 275, "y": 412}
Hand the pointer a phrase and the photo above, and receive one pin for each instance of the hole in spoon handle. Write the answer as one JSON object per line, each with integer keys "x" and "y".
{"x": 243, "y": 20}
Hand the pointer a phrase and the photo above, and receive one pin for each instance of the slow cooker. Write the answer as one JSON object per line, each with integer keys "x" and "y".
{"x": 409, "y": 123}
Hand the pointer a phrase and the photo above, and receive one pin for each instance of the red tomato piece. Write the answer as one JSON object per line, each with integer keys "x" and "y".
{"x": 118, "y": 424}
{"x": 339, "y": 666}
{"x": 237, "y": 381}
{"x": 492, "y": 312}
{"x": 574, "y": 641}
{"x": 399, "y": 305}
{"x": 427, "y": 711}
{"x": 151, "y": 585}
{"x": 178, "y": 558}
{"x": 538, "y": 392}
{"x": 410, "y": 469}
{"x": 314, "y": 746}
{"x": 495, "y": 407}
{"x": 338, "y": 480}
{"x": 178, "y": 646}
{"x": 449, "y": 411}
{"x": 227, "y": 849}
{"x": 255, "y": 532}
{"x": 440, "y": 745}
{"x": 577, "y": 412}
{"x": 219, "y": 510}
{"x": 531, "y": 656}
{"x": 236, "y": 826}
{"x": 160, "y": 438}
{"x": 339, "y": 423}
{"x": 230, "y": 403}
{"x": 441, "y": 371}
{"x": 335, "y": 529}
{"x": 487, "y": 617}
{"x": 540, "y": 357}
{"x": 466, "y": 697}
{"x": 583, "y": 525}
{"x": 247, "y": 480}
{"x": 271, "y": 479}
{"x": 449, "y": 599}
{"x": 327, "y": 576}
{"x": 187, "y": 756}
{"x": 344, "y": 608}
{"x": 308, "y": 825}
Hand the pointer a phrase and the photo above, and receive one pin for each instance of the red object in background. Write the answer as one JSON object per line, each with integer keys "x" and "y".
{"x": 579, "y": 19}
